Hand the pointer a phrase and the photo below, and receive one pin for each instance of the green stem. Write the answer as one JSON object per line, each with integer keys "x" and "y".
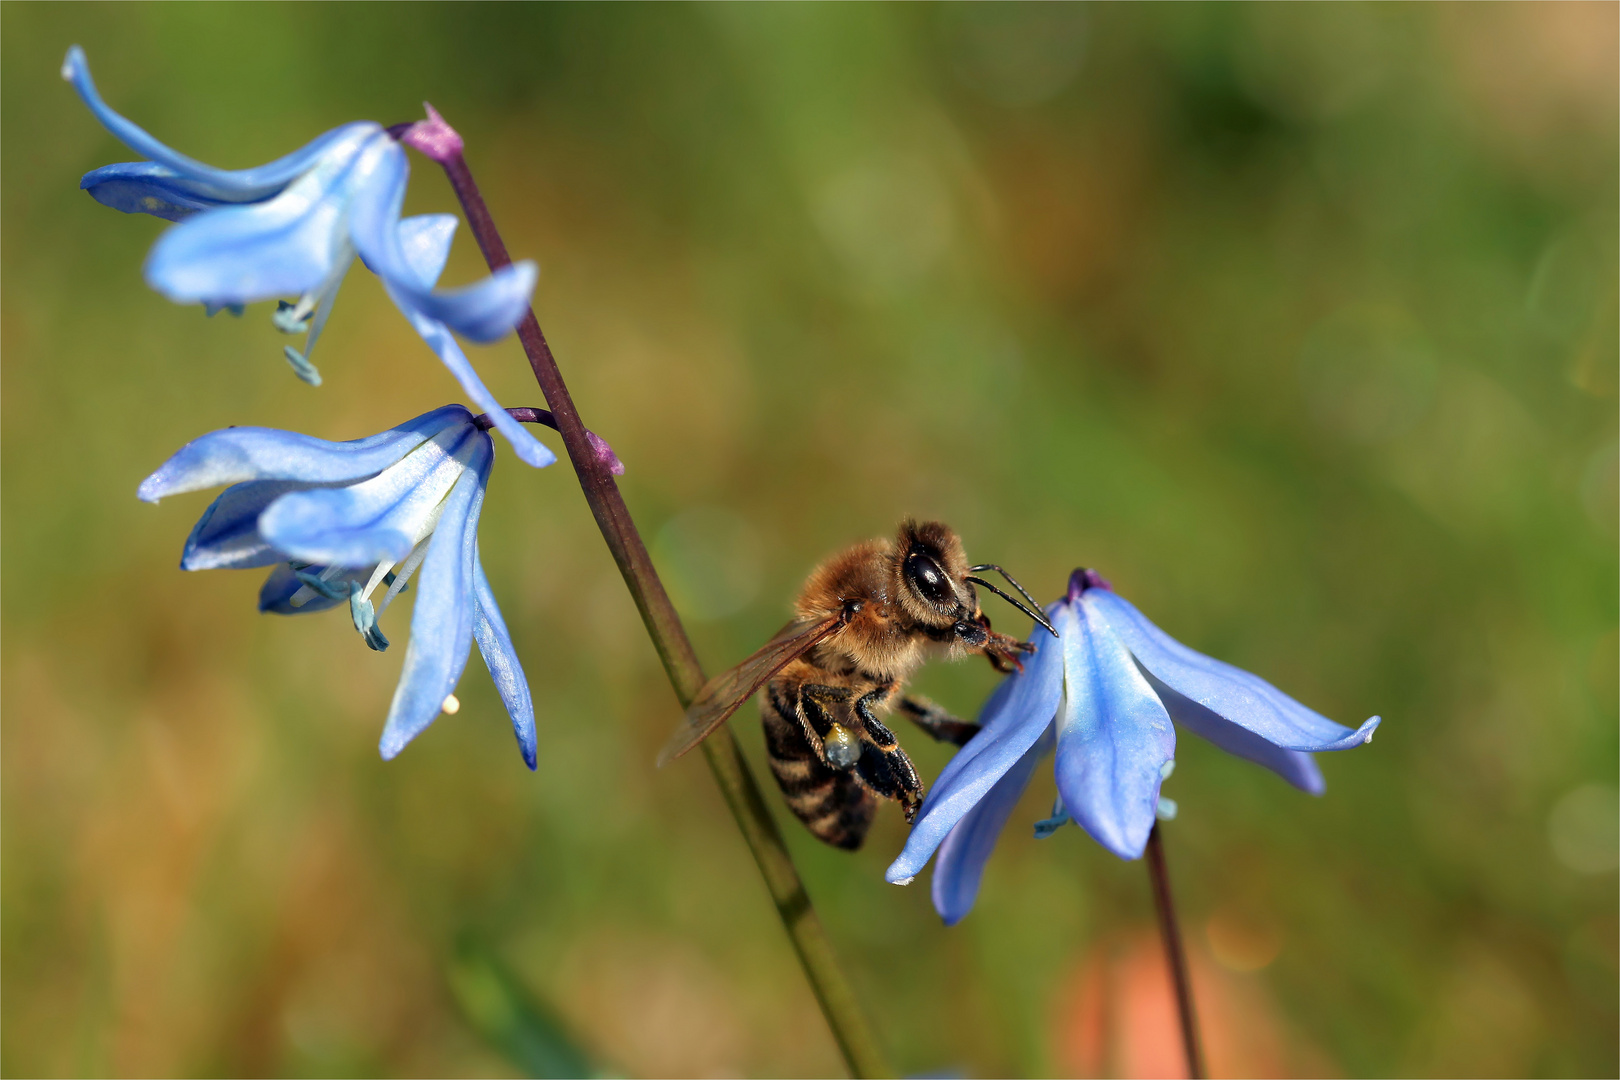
{"x": 731, "y": 771}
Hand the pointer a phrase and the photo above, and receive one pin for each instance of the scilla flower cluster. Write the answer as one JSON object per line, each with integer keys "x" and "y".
{"x": 340, "y": 524}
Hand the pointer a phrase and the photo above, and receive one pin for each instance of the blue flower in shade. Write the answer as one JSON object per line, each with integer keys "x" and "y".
{"x": 288, "y": 229}
{"x": 1104, "y": 692}
{"x": 353, "y": 523}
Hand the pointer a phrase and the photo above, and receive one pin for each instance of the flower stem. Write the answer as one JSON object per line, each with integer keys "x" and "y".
{"x": 730, "y": 768}
{"x": 1170, "y": 930}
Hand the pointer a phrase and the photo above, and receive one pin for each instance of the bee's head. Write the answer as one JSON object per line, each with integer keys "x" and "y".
{"x": 930, "y": 569}
{"x": 934, "y": 585}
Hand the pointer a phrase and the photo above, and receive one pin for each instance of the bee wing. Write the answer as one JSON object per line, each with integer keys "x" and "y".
{"x": 725, "y": 693}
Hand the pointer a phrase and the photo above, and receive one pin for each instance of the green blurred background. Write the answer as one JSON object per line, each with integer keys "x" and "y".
{"x": 1297, "y": 321}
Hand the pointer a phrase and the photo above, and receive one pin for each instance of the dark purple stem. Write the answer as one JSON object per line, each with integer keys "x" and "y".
{"x": 438, "y": 141}
{"x": 599, "y": 446}
{"x": 1175, "y": 954}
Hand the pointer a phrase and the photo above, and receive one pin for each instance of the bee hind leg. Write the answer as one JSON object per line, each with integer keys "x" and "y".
{"x": 834, "y": 744}
{"x": 875, "y": 729}
{"x": 889, "y": 773}
{"x": 937, "y": 722}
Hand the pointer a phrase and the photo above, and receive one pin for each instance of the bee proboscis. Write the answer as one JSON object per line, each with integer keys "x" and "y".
{"x": 864, "y": 621}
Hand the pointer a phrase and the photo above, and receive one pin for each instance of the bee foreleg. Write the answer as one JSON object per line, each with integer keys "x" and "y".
{"x": 1002, "y": 650}
{"x": 937, "y": 722}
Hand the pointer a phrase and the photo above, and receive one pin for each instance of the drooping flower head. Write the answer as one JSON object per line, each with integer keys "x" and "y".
{"x": 290, "y": 228}
{"x": 1104, "y": 693}
{"x": 356, "y": 522}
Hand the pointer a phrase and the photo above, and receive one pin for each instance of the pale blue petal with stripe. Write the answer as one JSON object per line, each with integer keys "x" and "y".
{"x": 495, "y": 645}
{"x": 1113, "y": 734}
{"x": 959, "y": 866}
{"x": 283, "y": 246}
{"x": 227, "y": 185}
{"x": 1014, "y": 717}
{"x": 233, "y": 455}
{"x": 442, "y": 623}
{"x": 1228, "y": 692}
{"x": 376, "y": 519}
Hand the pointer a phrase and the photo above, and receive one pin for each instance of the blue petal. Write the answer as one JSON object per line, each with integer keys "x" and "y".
{"x": 1014, "y": 717}
{"x": 227, "y": 185}
{"x": 1234, "y": 695}
{"x": 376, "y": 519}
{"x": 276, "y": 594}
{"x": 1295, "y": 766}
{"x": 442, "y": 624}
{"x": 1114, "y": 736}
{"x": 142, "y": 187}
{"x": 424, "y": 241}
{"x": 483, "y": 312}
{"x": 501, "y": 658}
{"x": 227, "y": 536}
{"x": 284, "y": 246}
{"x": 530, "y": 450}
{"x": 232, "y": 455}
{"x": 487, "y": 311}
{"x": 960, "y": 865}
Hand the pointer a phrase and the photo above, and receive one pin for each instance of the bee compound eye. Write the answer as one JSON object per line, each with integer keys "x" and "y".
{"x": 842, "y": 748}
{"x": 927, "y": 578}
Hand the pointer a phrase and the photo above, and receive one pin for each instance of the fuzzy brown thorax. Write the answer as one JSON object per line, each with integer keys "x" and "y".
{"x": 902, "y": 602}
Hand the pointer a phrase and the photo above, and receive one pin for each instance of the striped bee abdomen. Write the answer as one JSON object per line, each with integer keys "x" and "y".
{"x": 833, "y": 805}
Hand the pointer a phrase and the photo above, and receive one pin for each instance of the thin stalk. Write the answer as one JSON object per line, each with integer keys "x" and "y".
{"x": 1170, "y": 930}
{"x": 844, "y": 1016}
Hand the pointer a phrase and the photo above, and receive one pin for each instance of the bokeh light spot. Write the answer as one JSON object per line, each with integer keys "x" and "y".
{"x": 1584, "y": 829}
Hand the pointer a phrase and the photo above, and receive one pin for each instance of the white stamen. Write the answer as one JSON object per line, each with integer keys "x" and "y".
{"x": 376, "y": 576}
{"x": 403, "y": 576}
{"x": 451, "y": 706}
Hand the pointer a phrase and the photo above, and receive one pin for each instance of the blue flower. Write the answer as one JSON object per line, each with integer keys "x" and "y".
{"x": 1104, "y": 692}
{"x": 341, "y": 522}
{"x": 288, "y": 228}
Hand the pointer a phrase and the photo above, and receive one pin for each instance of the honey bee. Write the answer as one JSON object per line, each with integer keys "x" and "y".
{"x": 864, "y": 621}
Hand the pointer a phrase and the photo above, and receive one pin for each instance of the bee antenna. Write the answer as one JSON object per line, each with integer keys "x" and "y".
{"x": 1033, "y": 611}
{"x": 982, "y": 567}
